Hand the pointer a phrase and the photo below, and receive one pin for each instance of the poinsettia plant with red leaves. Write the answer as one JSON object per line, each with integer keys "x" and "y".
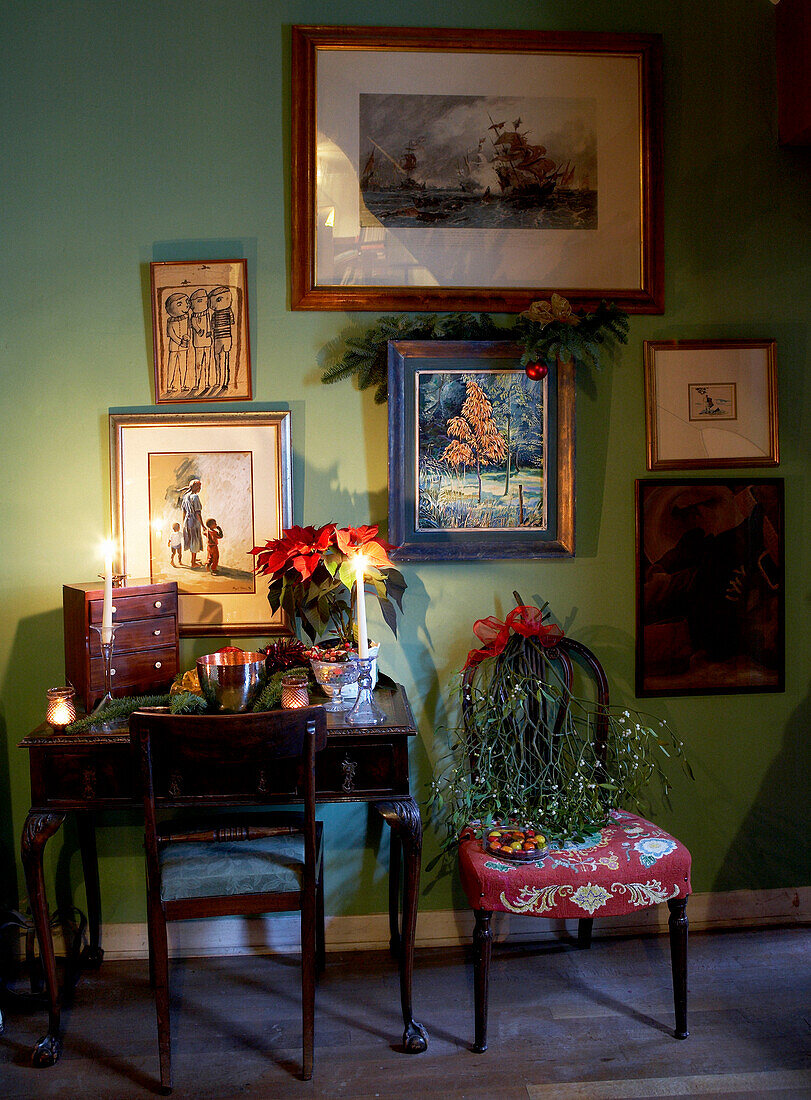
{"x": 311, "y": 575}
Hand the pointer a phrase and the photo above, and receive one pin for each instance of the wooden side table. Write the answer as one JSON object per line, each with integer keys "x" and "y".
{"x": 85, "y": 772}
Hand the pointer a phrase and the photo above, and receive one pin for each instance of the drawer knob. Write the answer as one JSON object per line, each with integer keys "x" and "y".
{"x": 112, "y": 672}
{"x": 157, "y": 664}
{"x": 158, "y": 603}
{"x": 114, "y": 610}
{"x": 156, "y": 633}
{"x": 348, "y": 767}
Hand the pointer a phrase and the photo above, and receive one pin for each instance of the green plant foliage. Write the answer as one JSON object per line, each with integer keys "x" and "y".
{"x": 363, "y": 353}
{"x": 512, "y": 757}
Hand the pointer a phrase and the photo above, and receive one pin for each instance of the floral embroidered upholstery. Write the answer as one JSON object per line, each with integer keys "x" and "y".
{"x": 630, "y": 864}
{"x": 203, "y": 869}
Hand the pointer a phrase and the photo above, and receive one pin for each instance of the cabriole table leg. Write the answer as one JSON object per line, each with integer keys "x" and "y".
{"x": 403, "y": 816}
{"x": 40, "y": 826}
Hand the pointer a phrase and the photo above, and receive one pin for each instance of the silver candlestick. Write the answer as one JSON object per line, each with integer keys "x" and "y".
{"x": 107, "y": 657}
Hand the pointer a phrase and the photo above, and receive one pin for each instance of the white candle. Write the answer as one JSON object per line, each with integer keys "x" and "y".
{"x": 107, "y": 606}
{"x": 360, "y": 595}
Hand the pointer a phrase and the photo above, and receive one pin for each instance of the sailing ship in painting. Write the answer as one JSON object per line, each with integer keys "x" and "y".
{"x": 426, "y": 170}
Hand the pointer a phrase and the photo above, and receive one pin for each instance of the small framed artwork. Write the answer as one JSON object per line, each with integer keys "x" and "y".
{"x": 710, "y": 588}
{"x": 200, "y": 331}
{"x": 192, "y": 494}
{"x": 481, "y": 457}
{"x": 438, "y": 169}
{"x": 711, "y": 404}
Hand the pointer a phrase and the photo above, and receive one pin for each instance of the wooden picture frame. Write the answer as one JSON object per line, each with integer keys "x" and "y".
{"x": 710, "y": 404}
{"x": 238, "y": 467}
{"x": 710, "y": 586}
{"x": 456, "y": 410}
{"x": 421, "y": 175}
{"x": 200, "y": 331}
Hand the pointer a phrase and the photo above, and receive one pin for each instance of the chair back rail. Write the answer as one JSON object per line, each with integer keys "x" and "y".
{"x": 171, "y": 747}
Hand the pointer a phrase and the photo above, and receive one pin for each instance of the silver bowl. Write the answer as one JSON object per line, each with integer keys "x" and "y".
{"x": 231, "y": 681}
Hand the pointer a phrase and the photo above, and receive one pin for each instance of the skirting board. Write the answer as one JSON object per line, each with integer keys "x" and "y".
{"x": 444, "y": 928}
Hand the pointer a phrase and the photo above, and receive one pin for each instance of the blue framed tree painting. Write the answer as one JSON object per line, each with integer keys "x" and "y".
{"x": 481, "y": 457}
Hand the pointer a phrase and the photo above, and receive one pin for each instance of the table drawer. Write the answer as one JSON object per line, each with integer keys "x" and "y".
{"x": 140, "y": 634}
{"x": 99, "y": 776}
{"x": 357, "y": 769}
{"x": 151, "y": 666}
{"x": 126, "y": 608}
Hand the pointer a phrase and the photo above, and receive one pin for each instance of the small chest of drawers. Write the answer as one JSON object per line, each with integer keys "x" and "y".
{"x": 145, "y": 650}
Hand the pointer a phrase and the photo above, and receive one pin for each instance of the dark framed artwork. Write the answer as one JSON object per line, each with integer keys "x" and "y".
{"x": 710, "y": 586}
{"x": 200, "y": 331}
{"x": 711, "y": 404}
{"x": 481, "y": 457}
{"x": 475, "y": 169}
{"x": 177, "y": 476}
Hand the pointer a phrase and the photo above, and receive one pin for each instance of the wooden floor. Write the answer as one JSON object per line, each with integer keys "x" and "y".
{"x": 564, "y": 1024}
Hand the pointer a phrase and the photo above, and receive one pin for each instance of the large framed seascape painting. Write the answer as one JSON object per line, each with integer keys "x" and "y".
{"x": 711, "y": 404}
{"x": 200, "y": 332}
{"x": 481, "y": 457}
{"x": 475, "y": 169}
{"x": 192, "y": 495}
{"x": 710, "y": 586}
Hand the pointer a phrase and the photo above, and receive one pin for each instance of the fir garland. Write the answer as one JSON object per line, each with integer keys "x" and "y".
{"x": 184, "y": 702}
{"x": 547, "y": 331}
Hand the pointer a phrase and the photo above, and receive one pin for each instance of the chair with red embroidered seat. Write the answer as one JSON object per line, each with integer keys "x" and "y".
{"x": 619, "y": 866}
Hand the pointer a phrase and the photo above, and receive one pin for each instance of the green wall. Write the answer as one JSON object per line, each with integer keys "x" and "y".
{"x": 155, "y": 131}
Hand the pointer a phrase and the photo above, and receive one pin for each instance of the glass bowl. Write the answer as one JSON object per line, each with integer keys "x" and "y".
{"x": 331, "y": 677}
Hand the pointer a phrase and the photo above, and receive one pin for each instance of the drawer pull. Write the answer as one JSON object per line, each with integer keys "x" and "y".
{"x": 348, "y": 767}
{"x": 112, "y": 672}
{"x": 158, "y": 603}
{"x": 157, "y": 664}
{"x": 157, "y": 633}
{"x": 114, "y": 610}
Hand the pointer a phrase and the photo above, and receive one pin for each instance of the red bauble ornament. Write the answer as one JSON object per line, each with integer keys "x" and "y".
{"x": 536, "y": 371}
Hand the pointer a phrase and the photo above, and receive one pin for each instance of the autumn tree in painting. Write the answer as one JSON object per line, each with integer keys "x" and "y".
{"x": 475, "y": 438}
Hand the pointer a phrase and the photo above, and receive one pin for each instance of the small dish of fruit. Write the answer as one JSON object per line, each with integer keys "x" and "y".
{"x": 512, "y": 842}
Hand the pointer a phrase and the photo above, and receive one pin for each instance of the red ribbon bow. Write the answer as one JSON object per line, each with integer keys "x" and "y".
{"x": 526, "y": 621}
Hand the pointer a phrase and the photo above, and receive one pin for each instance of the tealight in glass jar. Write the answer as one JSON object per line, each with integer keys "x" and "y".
{"x": 295, "y": 693}
{"x": 60, "y": 709}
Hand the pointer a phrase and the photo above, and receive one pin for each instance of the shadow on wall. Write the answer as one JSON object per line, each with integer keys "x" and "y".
{"x": 35, "y": 663}
{"x": 8, "y": 869}
{"x": 773, "y": 846}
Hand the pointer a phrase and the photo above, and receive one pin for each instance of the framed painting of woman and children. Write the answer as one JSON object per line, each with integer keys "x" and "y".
{"x": 192, "y": 493}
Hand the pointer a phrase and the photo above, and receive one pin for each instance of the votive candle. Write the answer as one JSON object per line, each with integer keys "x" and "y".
{"x": 60, "y": 710}
{"x": 294, "y": 692}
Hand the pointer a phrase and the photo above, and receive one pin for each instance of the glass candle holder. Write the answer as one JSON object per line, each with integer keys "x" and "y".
{"x": 60, "y": 709}
{"x": 295, "y": 693}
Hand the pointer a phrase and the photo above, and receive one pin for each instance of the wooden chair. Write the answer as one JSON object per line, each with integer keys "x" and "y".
{"x": 258, "y": 864}
{"x": 626, "y": 866}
